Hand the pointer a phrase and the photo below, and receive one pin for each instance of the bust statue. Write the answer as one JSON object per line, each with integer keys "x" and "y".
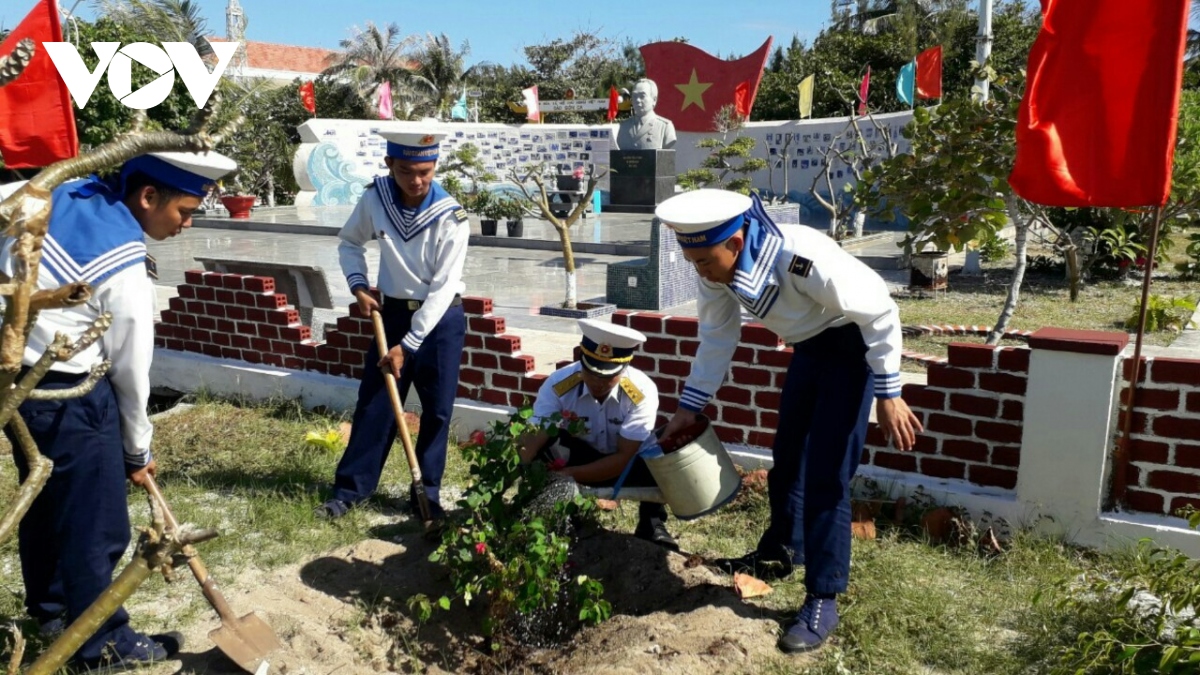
{"x": 645, "y": 130}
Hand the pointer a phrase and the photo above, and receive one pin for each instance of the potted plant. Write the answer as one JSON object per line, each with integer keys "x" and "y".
{"x": 512, "y": 210}
{"x": 487, "y": 205}
{"x": 236, "y": 200}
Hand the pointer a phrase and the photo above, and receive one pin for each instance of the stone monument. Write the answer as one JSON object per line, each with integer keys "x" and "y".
{"x": 643, "y": 165}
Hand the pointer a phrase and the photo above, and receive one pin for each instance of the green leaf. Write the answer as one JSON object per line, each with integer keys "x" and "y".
{"x": 444, "y": 602}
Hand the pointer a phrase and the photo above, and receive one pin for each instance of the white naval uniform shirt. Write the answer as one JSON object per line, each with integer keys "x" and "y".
{"x": 427, "y": 266}
{"x": 628, "y": 411}
{"x": 813, "y": 285}
{"x": 130, "y": 297}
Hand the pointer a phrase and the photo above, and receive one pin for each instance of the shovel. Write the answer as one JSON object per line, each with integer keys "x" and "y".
{"x": 247, "y": 641}
{"x": 418, "y": 487}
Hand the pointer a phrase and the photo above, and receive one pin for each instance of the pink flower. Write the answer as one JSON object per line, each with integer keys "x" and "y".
{"x": 569, "y": 415}
{"x": 558, "y": 464}
{"x": 481, "y": 548}
{"x": 478, "y": 438}
{"x": 579, "y": 172}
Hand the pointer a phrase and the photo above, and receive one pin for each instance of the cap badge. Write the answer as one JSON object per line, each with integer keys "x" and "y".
{"x": 427, "y": 139}
{"x": 604, "y": 350}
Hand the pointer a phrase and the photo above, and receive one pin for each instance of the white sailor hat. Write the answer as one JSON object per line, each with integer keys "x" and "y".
{"x": 414, "y": 146}
{"x": 607, "y": 348}
{"x": 704, "y": 217}
{"x": 191, "y": 172}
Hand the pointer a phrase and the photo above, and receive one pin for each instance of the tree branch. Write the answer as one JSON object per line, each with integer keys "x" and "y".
{"x": 40, "y": 468}
{"x": 82, "y": 389}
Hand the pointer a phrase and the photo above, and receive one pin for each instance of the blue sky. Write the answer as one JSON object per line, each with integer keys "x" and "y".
{"x": 497, "y": 34}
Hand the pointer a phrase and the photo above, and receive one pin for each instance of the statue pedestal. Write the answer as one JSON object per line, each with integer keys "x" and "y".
{"x": 639, "y": 180}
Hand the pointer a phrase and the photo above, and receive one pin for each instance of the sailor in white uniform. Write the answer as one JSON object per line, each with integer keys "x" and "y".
{"x": 78, "y": 528}
{"x": 422, "y": 233}
{"x": 844, "y": 328}
{"x": 619, "y": 405}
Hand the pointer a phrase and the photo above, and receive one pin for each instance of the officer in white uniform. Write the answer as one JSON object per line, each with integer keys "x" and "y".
{"x": 78, "y": 528}
{"x": 619, "y": 404}
{"x": 422, "y": 233}
{"x": 844, "y": 328}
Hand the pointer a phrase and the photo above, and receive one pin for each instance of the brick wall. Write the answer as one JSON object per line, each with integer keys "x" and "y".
{"x": 1164, "y": 469}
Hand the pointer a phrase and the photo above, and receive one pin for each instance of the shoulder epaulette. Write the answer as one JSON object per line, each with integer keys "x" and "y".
{"x": 632, "y": 391}
{"x": 568, "y": 384}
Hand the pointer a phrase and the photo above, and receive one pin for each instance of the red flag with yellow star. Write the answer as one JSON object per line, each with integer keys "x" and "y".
{"x": 693, "y": 85}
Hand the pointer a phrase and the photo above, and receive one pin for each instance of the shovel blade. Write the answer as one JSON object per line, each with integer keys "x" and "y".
{"x": 247, "y": 641}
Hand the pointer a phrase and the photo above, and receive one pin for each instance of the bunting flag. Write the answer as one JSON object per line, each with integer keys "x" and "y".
{"x": 459, "y": 111}
{"x": 741, "y": 100}
{"x": 693, "y": 85}
{"x": 806, "y": 96}
{"x": 37, "y": 120}
{"x": 1097, "y": 123}
{"x": 308, "y": 97}
{"x": 906, "y": 83}
{"x": 864, "y": 90}
{"x": 929, "y": 73}
{"x": 386, "y": 111}
{"x": 614, "y": 101}
{"x": 532, "y": 107}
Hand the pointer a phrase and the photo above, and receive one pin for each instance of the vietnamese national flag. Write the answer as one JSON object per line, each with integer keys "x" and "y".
{"x": 308, "y": 97}
{"x": 614, "y": 101}
{"x": 37, "y": 120}
{"x": 741, "y": 100}
{"x": 1098, "y": 121}
{"x": 693, "y": 85}
{"x": 864, "y": 89}
{"x": 929, "y": 73}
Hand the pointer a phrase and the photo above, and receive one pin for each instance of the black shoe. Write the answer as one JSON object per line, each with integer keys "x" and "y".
{"x": 332, "y": 509}
{"x": 812, "y": 626}
{"x": 757, "y": 565}
{"x": 147, "y": 649}
{"x": 655, "y": 532}
{"x": 50, "y": 629}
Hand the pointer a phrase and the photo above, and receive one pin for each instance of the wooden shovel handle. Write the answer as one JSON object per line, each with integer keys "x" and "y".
{"x": 398, "y": 407}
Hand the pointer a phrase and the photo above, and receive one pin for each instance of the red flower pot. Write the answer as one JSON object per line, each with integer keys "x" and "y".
{"x": 239, "y": 205}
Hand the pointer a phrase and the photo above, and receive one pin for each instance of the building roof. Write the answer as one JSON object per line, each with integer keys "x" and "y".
{"x": 289, "y": 58}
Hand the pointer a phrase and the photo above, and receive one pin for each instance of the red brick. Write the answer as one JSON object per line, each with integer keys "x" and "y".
{"x": 919, "y": 396}
{"x": 188, "y": 320}
{"x": 621, "y": 317}
{"x": 775, "y": 358}
{"x": 355, "y": 311}
{"x": 258, "y": 284}
{"x": 1133, "y": 474}
{"x": 160, "y": 342}
{"x": 205, "y": 293}
{"x": 284, "y": 317}
{"x": 1174, "y": 481}
{"x": 1193, "y": 402}
{"x": 689, "y": 347}
{"x": 505, "y": 344}
{"x": 1187, "y": 456}
{"x": 307, "y": 350}
{"x": 518, "y": 400}
{"x": 170, "y": 316}
{"x": 927, "y": 445}
{"x": 271, "y": 301}
{"x": 502, "y": 381}
{"x": 1176, "y": 371}
{"x": 294, "y": 363}
{"x": 762, "y": 439}
{"x": 674, "y": 367}
{"x": 193, "y": 346}
{"x": 1156, "y": 399}
{"x": 641, "y": 362}
{"x": 246, "y": 298}
{"x": 186, "y": 292}
{"x": 464, "y": 359}
{"x": 477, "y": 305}
{"x": 283, "y": 348}
{"x": 473, "y": 342}
{"x": 1006, "y": 455}
{"x": 1149, "y": 451}
{"x": 221, "y": 339}
{"x": 215, "y": 310}
{"x": 235, "y": 313}
{"x": 1013, "y": 411}
{"x": 1002, "y": 383}
{"x": 682, "y": 327}
{"x": 781, "y": 379}
{"x": 1177, "y": 427}
{"x": 232, "y": 282}
{"x": 970, "y": 355}
{"x": 194, "y": 277}
{"x": 214, "y": 280}
{"x": 1127, "y": 369}
{"x": 231, "y": 353}
{"x": 202, "y": 335}
{"x": 949, "y": 424}
{"x": 1001, "y": 432}
{"x": 352, "y": 358}
{"x": 268, "y": 331}
{"x": 175, "y": 345}
{"x": 666, "y": 385}
{"x": 517, "y": 364}
{"x": 256, "y": 315}
{"x": 463, "y": 392}
{"x": 178, "y": 305}
{"x": 297, "y": 333}
{"x": 950, "y": 378}
{"x": 273, "y": 359}
{"x": 768, "y": 400}
{"x": 1180, "y": 503}
{"x": 328, "y": 353}
{"x": 195, "y": 307}
{"x": 972, "y": 451}
{"x": 225, "y": 296}
{"x": 247, "y": 328}
{"x": 1139, "y": 425}
{"x": 1146, "y": 502}
{"x": 743, "y": 355}
{"x": 875, "y": 437}
{"x": 897, "y": 461}
{"x": 494, "y": 396}
{"x": 768, "y": 420}
{"x": 756, "y": 377}
{"x": 738, "y": 416}
{"x": 865, "y": 458}
{"x": 755, "y": 334}
{"x": 336, "y": 339}
{"x": 532, "y": 383}
{"x": 647, "y": 322}
{"x": 361, "y": 343}
{"x": 942, "y": 468}
{"x": 226, "y": 326}
{"x": 735, "y": 395}
{"x": 341, "y": 370}
{"x": 977, "y": 406}
{"x": 660, "y": 346}
{"x": 488, "y": 325}
{"x": 211, "y": 350}
{"x": 730, "y": 434}
{"x": 982, "y": 474}
{"x": 1014, "y": 359}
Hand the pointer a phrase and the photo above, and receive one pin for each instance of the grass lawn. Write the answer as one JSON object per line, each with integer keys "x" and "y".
{"x": 912, "y": 607}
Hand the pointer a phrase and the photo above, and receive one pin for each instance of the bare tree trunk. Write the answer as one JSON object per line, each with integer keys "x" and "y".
{"x": 1074, "y": 273}
{"x": 1021, "y": 244}
{"x": 564, "y": 236}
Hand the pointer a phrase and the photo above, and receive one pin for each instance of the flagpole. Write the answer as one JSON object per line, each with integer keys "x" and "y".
{"x": 1121, "y": 456}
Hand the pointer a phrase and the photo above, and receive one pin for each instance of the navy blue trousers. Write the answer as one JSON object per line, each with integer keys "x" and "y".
{"x": 823, "y": 415}
{"x": 78, "y": 527}
{"x": 433, "y": 371}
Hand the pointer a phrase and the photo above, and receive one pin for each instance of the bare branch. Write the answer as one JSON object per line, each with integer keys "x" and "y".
{"x": 40, "y": 468}
{"x": 71, "y": 295}
{"x": 16, "y": 396}
{"x": 97, "y": 373}
{"x": 18, "y": 652}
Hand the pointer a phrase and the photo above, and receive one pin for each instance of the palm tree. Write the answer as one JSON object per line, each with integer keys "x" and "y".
{"x": 440, "y": 72}
{"x": 165, "y": 20}
{"x": 371, "y": 57}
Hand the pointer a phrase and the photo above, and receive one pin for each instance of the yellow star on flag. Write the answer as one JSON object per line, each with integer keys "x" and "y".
{"x": 693, "y": 91}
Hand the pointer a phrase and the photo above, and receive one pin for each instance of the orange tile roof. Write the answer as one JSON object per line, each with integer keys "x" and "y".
{"x": 268, "y": 56}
